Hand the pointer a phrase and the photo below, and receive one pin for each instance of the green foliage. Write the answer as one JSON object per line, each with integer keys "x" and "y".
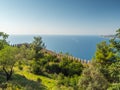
{"x": 114, "y": 72}
{"x": 2, "y": 77}
{"x": 104, "y": 54}
{"x": 62, "y": 88}
{"x": 92, "y": 79}
{"x": 115, "y": 42}
{"x": 26, "y": 53}
{"x": 67, "y": 81}
{"x": 51, "y": 64}
{"x": 70, "y": 67}
{"x": 118, "y": 33}
{"x": 20, "y": 67}
{"x": 63, "y": 70}
{"x": 53, "y": 68}
{"x": 37, "y": 45}
{"x": 36, "y": 68}
{"x": 39, "y": 80}
{"x": 39, "y": 66}
{"x": 51, "y": 58}
{"x": 114, "y": 86}
{"x": 3, "y": 37}
{"x": 8, "y": 57}
{"x": 20, "y": 82}
{"x": 107, "y": 58}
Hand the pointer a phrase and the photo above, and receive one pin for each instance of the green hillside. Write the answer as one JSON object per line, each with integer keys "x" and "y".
{"x": 30, "y": 66}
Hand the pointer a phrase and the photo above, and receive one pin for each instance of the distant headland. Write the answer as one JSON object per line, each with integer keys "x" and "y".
{"x": 107, "y": 36}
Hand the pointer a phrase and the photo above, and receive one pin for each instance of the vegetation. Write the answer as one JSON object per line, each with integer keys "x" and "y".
{"x": 107, "y": 60}
{"x": 3, "y": 37}
{"x": 92, "y": 79}
{"x": 32, "y": 67}
{"x": 37, "y": 45}
{"x": 8, "y": 58}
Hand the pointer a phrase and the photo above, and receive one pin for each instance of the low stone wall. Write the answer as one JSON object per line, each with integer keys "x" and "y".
{"x": 59, "y": 55}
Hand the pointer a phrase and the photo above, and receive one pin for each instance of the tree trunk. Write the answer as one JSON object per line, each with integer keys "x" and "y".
{"x": 8, "y": 74}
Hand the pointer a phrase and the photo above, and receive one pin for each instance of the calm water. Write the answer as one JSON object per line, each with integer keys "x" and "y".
{"x": 79, "y": 46}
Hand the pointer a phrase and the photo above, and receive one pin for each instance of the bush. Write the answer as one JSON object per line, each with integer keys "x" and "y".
{"x": 39, "y": 80}
{"x": 92, "y": 79}
{"x": 70, "y": 68}
{"x": 36, "y": 68}
{"x": 60, "y": 79}
{"x": 54, "y": 76}
{"x": 115, "y": 86}
{"x": 53, "y": 68}
{"x": 20, "y": 67}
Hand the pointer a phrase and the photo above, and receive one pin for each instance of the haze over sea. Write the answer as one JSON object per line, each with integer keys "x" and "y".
{"x": 80, "y": 46}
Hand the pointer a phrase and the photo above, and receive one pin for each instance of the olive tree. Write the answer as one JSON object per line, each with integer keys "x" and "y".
{"x": 8, "y": 58}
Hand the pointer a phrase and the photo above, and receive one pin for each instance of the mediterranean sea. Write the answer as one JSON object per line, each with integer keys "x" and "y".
{"x": 80, "y": 46}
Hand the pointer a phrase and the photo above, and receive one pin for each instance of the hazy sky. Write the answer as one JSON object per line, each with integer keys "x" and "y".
{"x": 59, "y": 16}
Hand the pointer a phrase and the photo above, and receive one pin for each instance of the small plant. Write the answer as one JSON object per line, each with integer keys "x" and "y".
{"x": 54, "y": 76}
{"x": 20, "y": 67}
{"x": 39, "y": 80}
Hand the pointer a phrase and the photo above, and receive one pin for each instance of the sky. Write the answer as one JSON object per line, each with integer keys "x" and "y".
{"x": 60, "y": 17}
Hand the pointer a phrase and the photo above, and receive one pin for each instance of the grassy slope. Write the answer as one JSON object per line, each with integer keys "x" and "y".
{"x": 47, "y": 82}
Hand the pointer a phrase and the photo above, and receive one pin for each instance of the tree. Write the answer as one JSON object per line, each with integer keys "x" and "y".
{"x": 107, "y": 58}
{"x": 114, "y": 72}
{"x": 104, "y": 55}
{"x": 3, "y": 37}
{"x": 26, "y": 53}
{"x": 114, "y": 69}
{"x": 8, "y": 57}
{"x": 118, "y": 33}
{"x": 37, "y": 45}
{"x": 36, "y": 68}
{"x": 115, "y": 44}
{"x": 92, "y": 79}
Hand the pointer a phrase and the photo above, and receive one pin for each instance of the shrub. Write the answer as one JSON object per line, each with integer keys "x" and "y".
{"x": 70, "y": 68}
{"x": 36, "y": 68}
{"x": 92, "y": 79}
{"x": 20, "y": 67}
{"x": 53, "y": 68}
{"x": 115, "y": 86}
{"x": 39, "y": 80}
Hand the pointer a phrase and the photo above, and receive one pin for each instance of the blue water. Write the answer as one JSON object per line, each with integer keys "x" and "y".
{"x": 79, "y": 46}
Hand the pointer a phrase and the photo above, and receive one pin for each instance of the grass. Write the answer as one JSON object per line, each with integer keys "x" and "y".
{"x": 25, "y": 80}
{"x": 47, "y": 82}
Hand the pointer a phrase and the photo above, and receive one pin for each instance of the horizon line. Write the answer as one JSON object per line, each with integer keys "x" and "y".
{"x": 65, "y": 34}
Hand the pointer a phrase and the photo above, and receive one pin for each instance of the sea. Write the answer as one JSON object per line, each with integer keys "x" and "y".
{"x": 79, "y": 46}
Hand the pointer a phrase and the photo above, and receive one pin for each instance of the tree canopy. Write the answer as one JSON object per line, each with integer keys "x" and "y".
{"x": 3, "y": 37}
{"x": 37, "y": 45}
{"x": 107, "y": 58}
{"x": 8, "y": 57}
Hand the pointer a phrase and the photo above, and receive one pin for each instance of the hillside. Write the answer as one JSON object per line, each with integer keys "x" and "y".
{"x": 32, "y": 67}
